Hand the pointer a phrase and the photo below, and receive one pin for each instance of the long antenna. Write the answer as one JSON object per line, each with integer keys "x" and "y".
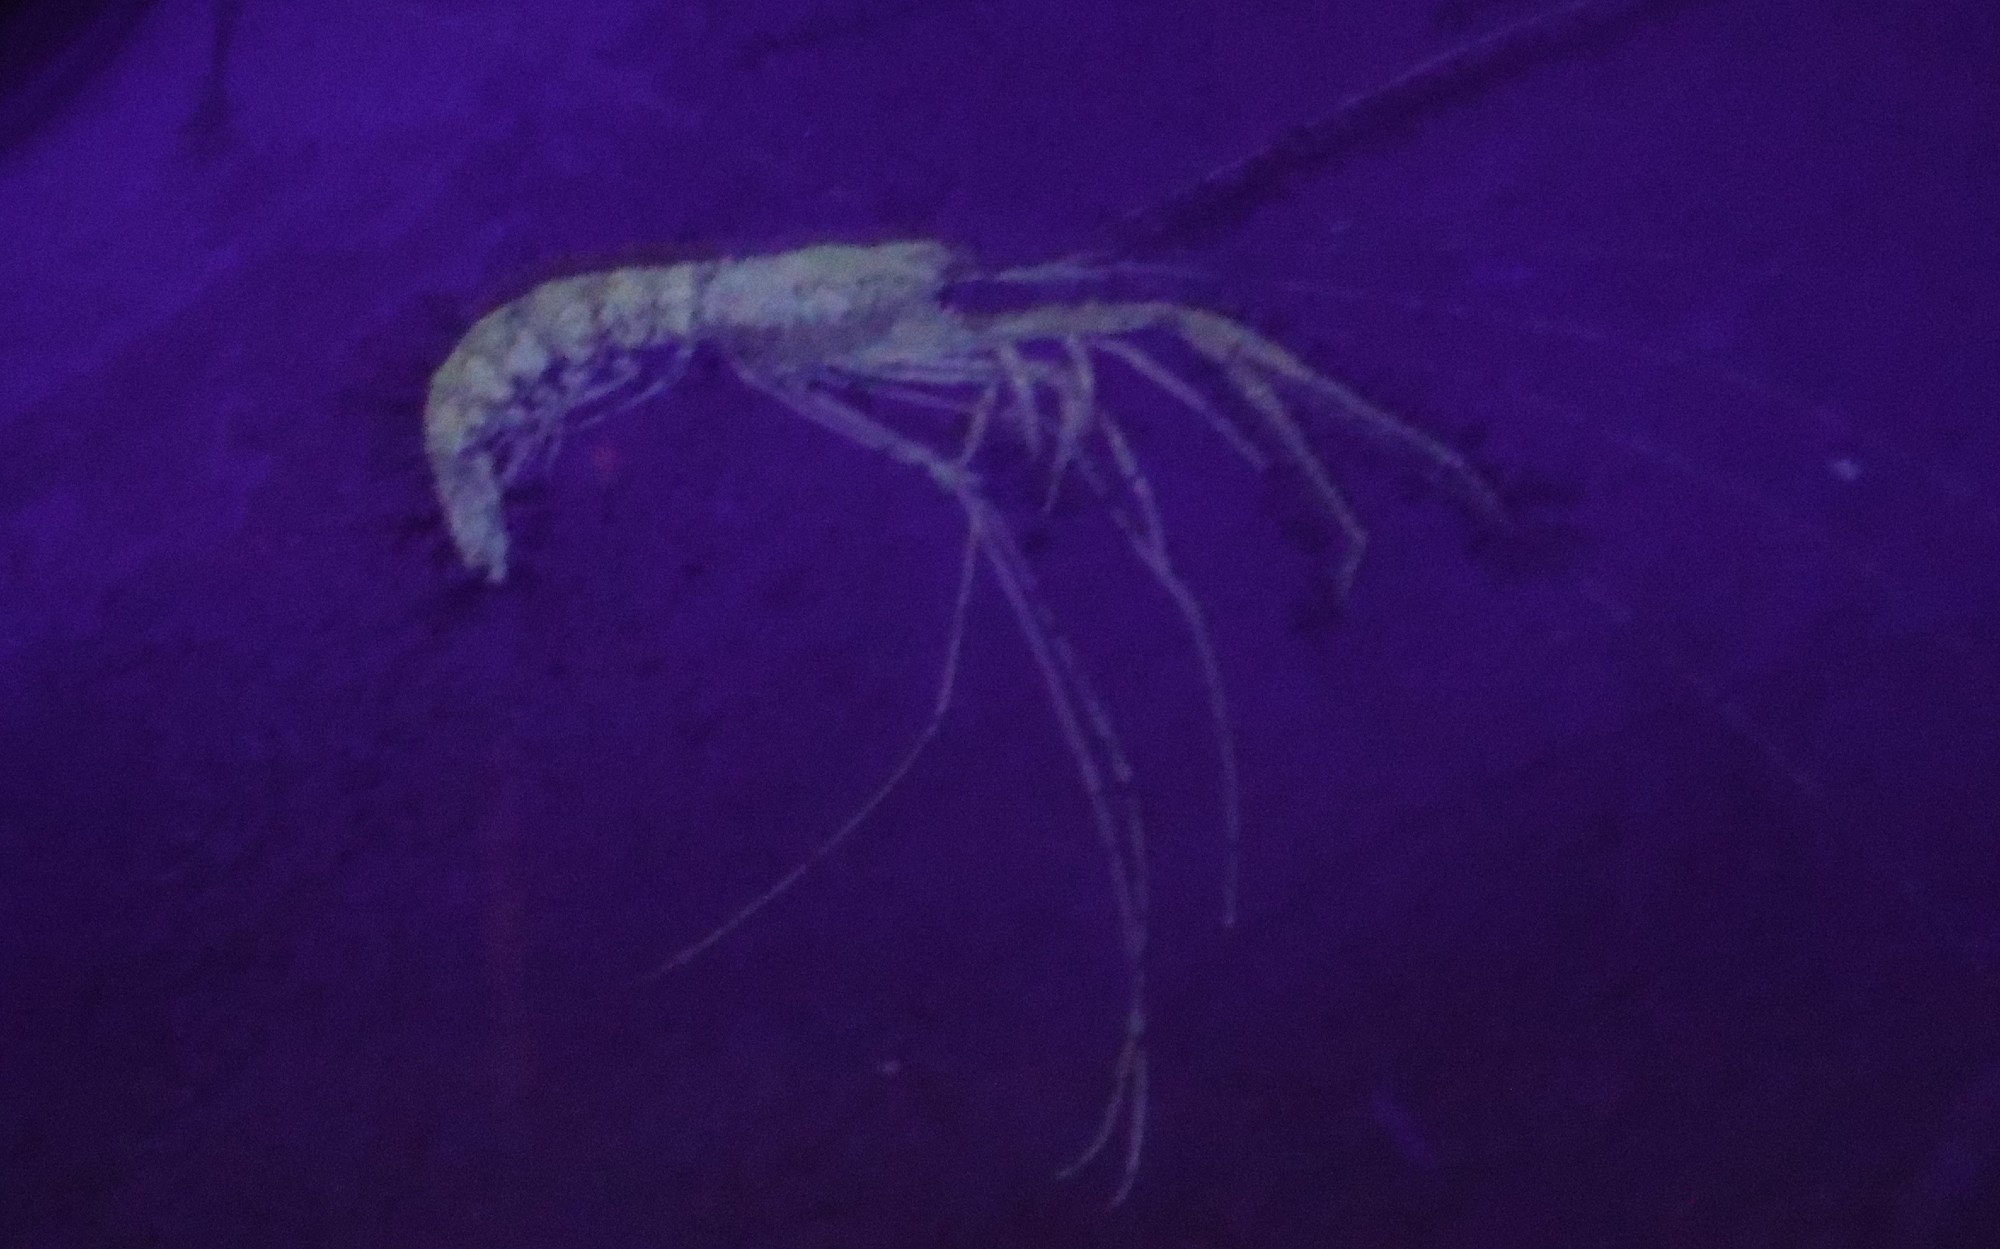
{"x": 1226, "y": 197}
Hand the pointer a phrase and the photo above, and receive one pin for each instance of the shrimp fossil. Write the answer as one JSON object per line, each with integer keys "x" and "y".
{"x": 815, "y": 326}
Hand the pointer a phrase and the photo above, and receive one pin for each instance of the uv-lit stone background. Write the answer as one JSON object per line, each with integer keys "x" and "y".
{"x": 1642, "y": 893}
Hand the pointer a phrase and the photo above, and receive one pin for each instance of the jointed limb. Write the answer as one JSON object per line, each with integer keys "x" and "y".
{"x": 1147, "y": 535}
{"x": 947, "y": 685}
{"x": 1252, "y": 363}
{"x": 1095, "y": 749}
{"x": 1103, "y": 769}
{"x": 1145, "y": 532}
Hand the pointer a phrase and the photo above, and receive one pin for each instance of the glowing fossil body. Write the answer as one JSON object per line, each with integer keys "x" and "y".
{"x": 807, "y": 326}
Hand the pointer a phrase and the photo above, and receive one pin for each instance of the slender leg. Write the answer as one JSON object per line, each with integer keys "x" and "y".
{"x": 1021, "y": 391}
{"x": 1164, "y": 380}
{"x": 1146, "y": 533}
{"x": 1076, "y": 394}
{"x": 1278, "y": 418}
{"x": 1226, "y": 341}
{"x": 1095, "y": 749}
{"x": 1252, "y": 363}
{"x": 857, "y": 426}
{"x": 947, "y": 684}
{"x": 1081, "y": 716}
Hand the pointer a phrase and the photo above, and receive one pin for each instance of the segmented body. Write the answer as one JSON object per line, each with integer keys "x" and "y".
{"x": 528, "y": 365}
{"x": 809, "y": 326}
